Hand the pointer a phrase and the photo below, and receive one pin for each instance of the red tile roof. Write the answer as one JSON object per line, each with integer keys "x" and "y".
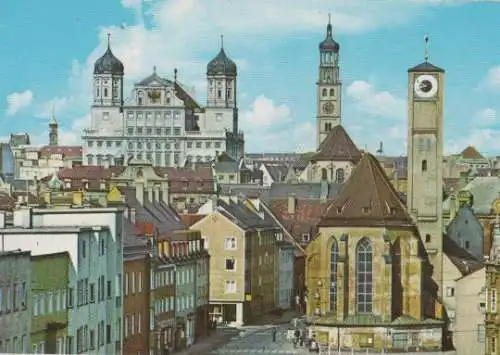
{"x": 66, "y": 151}
{"x": 182, "y": 180}
{"x": 307, "y": 214}
{"x": 471, "y": 153}
{"x": 189, "y": 218}
{"x": 337, "y": 146}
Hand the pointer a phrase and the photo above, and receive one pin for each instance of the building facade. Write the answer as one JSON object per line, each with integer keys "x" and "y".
{"x": 15, "y": 302}
{"x": 49, "y": 318}
{"x": 240, "y": 238}
{"x": 162, "y": 122}
{"x": 93, "y": 239}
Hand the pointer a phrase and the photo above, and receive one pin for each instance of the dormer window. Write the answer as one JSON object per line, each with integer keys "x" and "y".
{"x": 366, "y": 210}
{"x": 339, "y": 210}
{"x": 306, "y": 238}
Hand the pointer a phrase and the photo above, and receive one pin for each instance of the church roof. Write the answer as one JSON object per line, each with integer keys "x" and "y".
{"x": 471, "y": 153}
{"x": 337, "y": 146}
{"x": 426, "y": 67}
{"x": 367, "y": 199}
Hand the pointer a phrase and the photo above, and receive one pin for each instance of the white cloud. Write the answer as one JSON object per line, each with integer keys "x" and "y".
{"x": 381, "y": 103}
{"x": 299, "y": 138}
{"x": 485, "y": 116}
{"x": 54, "y": 106}
{"x": 484, "y": 139}
{"x": 492, "y": 78}
{"x": 18, "y": 100}
{"x": 264, "y": 113}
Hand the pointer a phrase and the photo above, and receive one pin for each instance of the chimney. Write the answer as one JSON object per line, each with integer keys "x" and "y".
{"x": 132, "y": 215}
{"x": 157, "y": 193}
{"x": 214, "y": 203}
{"x": 292, "y": 202}
{"x": 165, "y": 192}
{"x": 150, "y": 193}
{"x": 323, "y": 195}
{"x": 139, "y": 192}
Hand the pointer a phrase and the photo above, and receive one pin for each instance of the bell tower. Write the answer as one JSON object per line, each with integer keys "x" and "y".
{"x": 425, "y": 157}
{"x": 329, "y": 86}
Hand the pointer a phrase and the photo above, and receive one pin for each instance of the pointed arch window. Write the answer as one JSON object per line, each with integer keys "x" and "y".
{"x": 334, "y": 254}
{"x": 364, "y": 276}
{"x": 340, "y": 176}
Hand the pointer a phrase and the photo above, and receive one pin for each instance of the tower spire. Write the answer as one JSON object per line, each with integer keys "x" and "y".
{"x": 329, "y": 26}
{"x": 222, "y": 42}
{"x": 426, "y": 48}
{"x": 109, "y": 40}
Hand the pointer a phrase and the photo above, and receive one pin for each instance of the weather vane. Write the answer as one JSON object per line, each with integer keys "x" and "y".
{"x": 426, "y": 53}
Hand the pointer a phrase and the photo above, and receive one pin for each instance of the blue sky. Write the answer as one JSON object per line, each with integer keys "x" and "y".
{"x": 48, "y": 52}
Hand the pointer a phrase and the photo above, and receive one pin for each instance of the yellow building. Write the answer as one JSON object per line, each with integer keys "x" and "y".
{"x": 240, "y": 238}
{"x": 368, "y": 276}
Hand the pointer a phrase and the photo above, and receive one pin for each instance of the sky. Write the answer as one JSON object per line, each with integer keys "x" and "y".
{"x": 48, "y": 54}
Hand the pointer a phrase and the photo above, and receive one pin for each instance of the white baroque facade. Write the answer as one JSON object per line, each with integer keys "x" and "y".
{"x": 161, "y": 122}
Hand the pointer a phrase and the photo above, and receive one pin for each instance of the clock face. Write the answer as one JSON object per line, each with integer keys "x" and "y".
{"x": 426, "y": 86}
{"x": 328, "y": 108}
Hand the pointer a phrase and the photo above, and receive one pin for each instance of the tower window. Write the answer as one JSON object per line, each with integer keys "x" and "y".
{"x": 332, "y": 92}
{"x": 105, "y": 92}
{"x": 324, "y": 174}
{"x": 219, "y": 93}
{"x": 424, "y": 165}
{"x": 324, "y": 93}
{"x": 97, "y": 92}
{"x": 427, "y": 238}
{"x": 328, "y": 127}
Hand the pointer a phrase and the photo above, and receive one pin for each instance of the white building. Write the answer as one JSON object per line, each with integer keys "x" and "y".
{"x": 93, "y": 239}
{"x": 162, "y": 122}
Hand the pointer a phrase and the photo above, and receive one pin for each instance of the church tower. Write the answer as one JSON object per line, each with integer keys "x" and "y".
{"x": 329, "y": 86}
{"x": 425, "y": 157}
{"x": 53, "y": 132}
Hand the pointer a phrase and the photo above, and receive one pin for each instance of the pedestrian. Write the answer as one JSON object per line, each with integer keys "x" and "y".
{"x": 274, "y": 335}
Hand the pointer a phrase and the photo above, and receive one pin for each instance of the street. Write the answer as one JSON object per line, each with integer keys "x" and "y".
{"x": 259, "y": 340}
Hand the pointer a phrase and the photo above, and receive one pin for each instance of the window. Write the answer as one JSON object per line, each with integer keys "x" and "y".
{"x": 328, "y": 127}
{"x": 334, "y": 253}
{"x": 92, "y": 292}
{"x": 493, "y": 345}
{"x": 230, "y": 264}
{"x": 101, "y": 245}
{"x": 230, "y": 243}
{"x": 132, "y": 324}
{"x": 324, "y": 92}
{"x": 177, "y": 131}
{"x": 126, "y": 325}
{"x": 450, "y": 291}
{"x": 324, "y": 174}
{"x": 133, "y": 283}
{"x": 332, "y": 92}
{"x": 481, "y": 334}
{"x": 108, "y": 333}
{"x": 105, "y": 92}
{"x": 364, "y": 276}
{"x": 493, "y": 300}
{"x": 427, "y": 238}
{"x": 108, "y": 289}
{"x": 467, "y": 244}
{"x": 339, "y": 176}
{"x": 230, "y": 286}
{"x": 92, "y": 339}
{"x": 139, "y": 282}
{"x": 424, "y": 165}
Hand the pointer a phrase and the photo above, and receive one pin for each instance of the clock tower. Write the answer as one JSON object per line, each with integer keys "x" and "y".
{"x": 425, "y": 158}
{"x": 329, "y": 86}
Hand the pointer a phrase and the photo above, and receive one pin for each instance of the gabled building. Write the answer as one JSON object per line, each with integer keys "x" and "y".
{"x": 241, "y": 242}
{"x": 273, "y": 173}
{"x": 466, "y": 230}
{"x": 367, "y": 274}
{"x": 335, "y": 159}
